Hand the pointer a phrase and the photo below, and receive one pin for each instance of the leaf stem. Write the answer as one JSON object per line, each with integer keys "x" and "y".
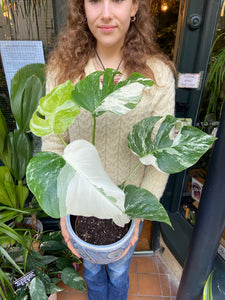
{"x": 62, "y": 140}
{"x": 131, "y": 173}
{"x": 94, "y": 129}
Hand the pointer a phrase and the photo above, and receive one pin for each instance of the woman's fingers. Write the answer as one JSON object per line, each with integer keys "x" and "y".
{"x": 67, "y": 237}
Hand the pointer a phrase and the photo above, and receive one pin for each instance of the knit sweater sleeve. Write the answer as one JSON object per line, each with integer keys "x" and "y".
{"x": 154, "y": 180}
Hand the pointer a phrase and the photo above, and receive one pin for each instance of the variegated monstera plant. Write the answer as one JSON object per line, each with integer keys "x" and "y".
{"x": 69, "y": 185}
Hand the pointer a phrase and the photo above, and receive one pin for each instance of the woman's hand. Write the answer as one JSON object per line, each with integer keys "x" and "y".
{"x": 133, "y": 239}
{"x": 67, "y": 237}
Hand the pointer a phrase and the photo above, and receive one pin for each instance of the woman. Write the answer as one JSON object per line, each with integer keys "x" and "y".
{"x": 114, "y": 34}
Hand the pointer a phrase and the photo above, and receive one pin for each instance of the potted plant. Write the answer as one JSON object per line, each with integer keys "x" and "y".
{"x": 27, "y": 87}
{"x": 68, "y": 184}
{"x": 33, "y": 272}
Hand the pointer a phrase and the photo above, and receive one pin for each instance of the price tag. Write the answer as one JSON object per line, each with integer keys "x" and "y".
{"x": 189, "y": 80}
{"x": 23, "y": 280}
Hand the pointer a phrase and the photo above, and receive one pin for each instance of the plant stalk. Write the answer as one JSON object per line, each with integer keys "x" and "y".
{"x": 131, "y": 173}
{"x": 94, "y": 130}
{"x": 62, "y": 140}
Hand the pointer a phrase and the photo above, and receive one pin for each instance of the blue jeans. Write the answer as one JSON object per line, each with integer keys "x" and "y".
{"x": 109, "y": 282}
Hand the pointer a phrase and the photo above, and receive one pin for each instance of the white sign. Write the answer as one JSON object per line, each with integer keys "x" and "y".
{"x": 189, "y": 80}
{"x": 17, "y": 54}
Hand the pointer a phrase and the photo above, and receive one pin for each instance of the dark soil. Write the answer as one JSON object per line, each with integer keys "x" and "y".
{"x": 99, "y": 231}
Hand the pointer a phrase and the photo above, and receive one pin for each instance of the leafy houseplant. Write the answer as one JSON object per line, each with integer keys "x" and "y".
{"x": 27, "y": 87}
{"x": 46, "y": 265}
{"x": 72, "y": 186}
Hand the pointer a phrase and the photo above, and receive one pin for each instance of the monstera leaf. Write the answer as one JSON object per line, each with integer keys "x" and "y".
{"x": 165, "y": 154}
{"x": 91, "y": 192}
{"x": 56, "y": 111}
{"x": 42, "y": 173}
{"x": 119, "y": 98}
{"x": 83, "y": 188}
{"x": 142, "y": 204}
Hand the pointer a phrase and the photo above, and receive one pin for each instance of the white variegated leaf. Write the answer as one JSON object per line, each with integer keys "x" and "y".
{"x": 91, "y": 192}
{"x": 165, "y": 154}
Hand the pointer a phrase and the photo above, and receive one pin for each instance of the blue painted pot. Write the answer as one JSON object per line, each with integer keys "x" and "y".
{"x": 103, "y": 254}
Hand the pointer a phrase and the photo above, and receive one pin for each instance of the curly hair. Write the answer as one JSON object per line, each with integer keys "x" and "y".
{"x": 76, "y": 44}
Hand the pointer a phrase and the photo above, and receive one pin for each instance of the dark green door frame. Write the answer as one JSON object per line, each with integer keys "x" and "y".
{"x": 196, "y": 28}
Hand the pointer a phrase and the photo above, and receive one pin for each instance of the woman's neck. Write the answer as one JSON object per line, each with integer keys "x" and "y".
{"x": 108, "y": 58}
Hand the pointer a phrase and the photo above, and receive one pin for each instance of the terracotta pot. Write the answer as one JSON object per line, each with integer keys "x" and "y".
{"x": 99, "y": 254}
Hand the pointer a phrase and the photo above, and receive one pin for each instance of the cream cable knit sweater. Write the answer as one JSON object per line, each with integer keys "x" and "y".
{"x": 112, "y": 130}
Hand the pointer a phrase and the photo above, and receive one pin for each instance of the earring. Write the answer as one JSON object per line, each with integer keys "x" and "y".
{"x": 133, "y": 19}
{"x": 85, "y": 20}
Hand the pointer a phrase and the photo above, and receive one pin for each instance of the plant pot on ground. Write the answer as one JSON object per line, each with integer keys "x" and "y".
{"x": 72, "y": 186}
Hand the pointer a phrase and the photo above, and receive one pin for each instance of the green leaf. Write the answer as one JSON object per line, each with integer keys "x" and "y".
{"x": 62, "y": 263}
{"x": 22, "y": 193}
{"x": 27, "y": 87}
{"x": 207, "y": 292}
{"x": 53, "y": 236}
{"x": 52, "y": 245}
{"x": 37, "y": 290}
{"x": 21, "y": 153}
{"x": 13, "y": 234}
{"x": 71, "y": 278}
{"x": 3, "y": 132}
{"x": 12, "y": 262}
{"x": 118, "y": 98}
{"x": 7, "y": 188}
{"x": 170, "y": 156}
{"x": 6, "y": 155}
{"x": 56, "y": 111}
{"x": 42, "y": 174}
{"x": 142, "y": 204}
{"x": 53, "y": 289}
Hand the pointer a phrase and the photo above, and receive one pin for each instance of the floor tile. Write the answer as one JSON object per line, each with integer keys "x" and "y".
{"x": 151, "y": 298}
{"x": 133, "y": 286}
{"x": 75, "y": 296}
{"x": 147, "y": 264}
{"x": 165, "y": 285}
{"x": 149, "y": 285}
{"x": 62, "y": 296}
{"x": 133, "y": 265}
{"x": 132, "y": 297}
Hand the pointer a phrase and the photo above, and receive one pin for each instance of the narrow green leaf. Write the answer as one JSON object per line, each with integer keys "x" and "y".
{"x": 140, "y": 203}
{"x": 37, "y": 290}
{"x": 207, "y": 292}
{"x": 71, "y": 278}
{"x": 22, "y": 193}
{"x": 56, "y": 111}
{"x": 12, "y": 262}
{"x": 27, "y": 87}
{"x": 13, "y": 234}
{"x": 21, "y": 153}
{"x": 7, "y": 188}
{"x": 42, "y": 174}
{"x": 3, "y": 132}
{"x": 6, "y": 155}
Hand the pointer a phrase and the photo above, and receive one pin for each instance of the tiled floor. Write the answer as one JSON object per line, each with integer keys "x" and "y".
{"x": 149, "y": 280}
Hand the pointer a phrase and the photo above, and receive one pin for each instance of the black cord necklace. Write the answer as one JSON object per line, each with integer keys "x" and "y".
{"x": 102, "y": 65}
